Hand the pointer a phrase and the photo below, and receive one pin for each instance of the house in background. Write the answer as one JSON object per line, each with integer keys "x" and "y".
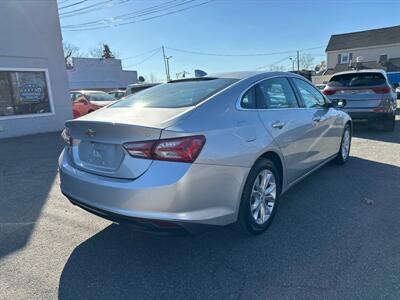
{"x": 369, "y": 49}
{"x": 99, "y": 74}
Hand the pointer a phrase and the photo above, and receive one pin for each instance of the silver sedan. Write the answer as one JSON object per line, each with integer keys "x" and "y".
{"x": 213, "y": 150}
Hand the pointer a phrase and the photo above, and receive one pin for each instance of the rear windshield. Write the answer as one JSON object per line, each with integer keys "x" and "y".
{"x": 134, "y": 90}
{"x": 357, "y": 79}
{"x": 176, "y": 94}
{"x": 97, "y": 96}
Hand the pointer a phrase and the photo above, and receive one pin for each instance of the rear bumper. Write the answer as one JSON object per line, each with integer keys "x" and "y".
{"x": 367, "y": 114}
{"x": 174, "y": 192}
{"x": 152, "y": 226}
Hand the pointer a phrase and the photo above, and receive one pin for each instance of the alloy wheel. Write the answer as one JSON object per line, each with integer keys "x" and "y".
{"x": 346, "y": 144}
{"x": 263, "y": 196}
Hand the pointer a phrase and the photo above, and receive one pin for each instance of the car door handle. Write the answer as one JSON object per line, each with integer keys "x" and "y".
{"x": 316, "y": 119}
{"x": 278, "y": 124}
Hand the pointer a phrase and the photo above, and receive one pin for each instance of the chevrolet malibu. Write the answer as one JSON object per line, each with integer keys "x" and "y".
{"x": 213, "y": 150}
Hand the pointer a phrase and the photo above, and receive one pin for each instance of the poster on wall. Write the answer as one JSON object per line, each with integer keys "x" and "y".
{"x": 30, "y": 92}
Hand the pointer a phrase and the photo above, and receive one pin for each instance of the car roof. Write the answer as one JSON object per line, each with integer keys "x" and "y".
{"x": 361, "y": 71}
{"x": 142, "y": 84}
{"x": 249, "y": 74}
{"x": 85, "y": 91}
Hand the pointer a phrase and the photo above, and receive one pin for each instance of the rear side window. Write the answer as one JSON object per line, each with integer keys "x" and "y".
{"x": 357, "y": 80}
{"x": 249, "y": 99}
{"x": 276, "y": 93}
{"x": 134, "y": 90}
{"x": 176, "y": 94}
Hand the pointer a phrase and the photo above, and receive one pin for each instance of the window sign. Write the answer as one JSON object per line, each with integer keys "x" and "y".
{"x": 23, "y": 93}
{"x": 30, "y": 92}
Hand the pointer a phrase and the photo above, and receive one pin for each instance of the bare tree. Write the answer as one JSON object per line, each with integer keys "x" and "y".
{"x": 306, "y": 61}
{"x": 97, "y": 52}
{"x": 70, "y": 51}
{"x": 153, "y": 78}
{"x": 276, "y": 68}
{"x": 102, "y": 50}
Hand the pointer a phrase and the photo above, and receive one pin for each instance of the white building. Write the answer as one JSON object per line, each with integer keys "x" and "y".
{"x": 99, "y": 74}
{"x": 376, "y": 48}
{"x": 33, "y": 81}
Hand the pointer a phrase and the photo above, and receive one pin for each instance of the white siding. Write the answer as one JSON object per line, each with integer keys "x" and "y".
{"x": 95, "y": 73}
{"x": 30, "y": 37}
{"x": 369, "y": 53}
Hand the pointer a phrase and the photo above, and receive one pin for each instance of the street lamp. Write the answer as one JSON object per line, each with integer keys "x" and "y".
{"x": 292, "y": 60}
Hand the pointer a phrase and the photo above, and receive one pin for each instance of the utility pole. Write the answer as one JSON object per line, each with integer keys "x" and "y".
{"x": 166, "y": 64}
{"x": 292, "y": 60}
{"x": 167, "y": 58}
{"x": 298, "y": 62}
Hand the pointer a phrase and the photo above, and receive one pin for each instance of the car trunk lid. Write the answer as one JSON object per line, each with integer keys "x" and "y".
{"x": 98, "y": 138}
{"x": 97, "y": 147}
{"x": 358, "y": 97}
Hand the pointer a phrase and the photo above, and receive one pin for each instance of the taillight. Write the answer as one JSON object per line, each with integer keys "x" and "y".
{"x": 382, "y": 90}
{"x": 65, "y": 135}
{"x": 185, "y": 149}
{"x": 328, "y": 91}
{"x": 140, "y": 149}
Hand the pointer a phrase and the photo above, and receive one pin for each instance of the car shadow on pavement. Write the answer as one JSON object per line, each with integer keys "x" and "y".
{"x": 329, "y": 227}
{"x": 27, "y": 172}
{"x": 376, "y": 133}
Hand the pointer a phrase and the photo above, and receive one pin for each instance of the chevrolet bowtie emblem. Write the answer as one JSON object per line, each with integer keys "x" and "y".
{"x": 90, "y": 132}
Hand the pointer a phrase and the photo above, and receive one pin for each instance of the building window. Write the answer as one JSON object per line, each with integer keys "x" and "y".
{"x": 23, "y": 93}
{"x": 344, "y": 58}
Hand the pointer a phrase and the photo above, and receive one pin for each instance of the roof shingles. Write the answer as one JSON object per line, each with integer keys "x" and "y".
{"x": 374, "y": 37}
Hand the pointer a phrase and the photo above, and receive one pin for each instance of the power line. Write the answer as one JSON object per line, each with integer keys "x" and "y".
{"x": 238, "y": 55}
{"x": 86, "y": 7}
{"x": 73, "y": 4}
{"x": 63, "y": 1}
{"x": 91, "y": 8}
{"x": 145, "y": 19}
{"x": 272, "y": 64}
{"x": 141, "y": 54}
{"x": 138, "y": 13}
{"x": 144, "y": 60}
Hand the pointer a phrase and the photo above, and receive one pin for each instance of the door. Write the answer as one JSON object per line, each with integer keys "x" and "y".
{"x": 326, "y": 136}
{"x": 288, "y": 123}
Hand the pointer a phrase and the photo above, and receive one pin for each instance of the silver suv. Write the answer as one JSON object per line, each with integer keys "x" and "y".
{"x": 367, "y": 94}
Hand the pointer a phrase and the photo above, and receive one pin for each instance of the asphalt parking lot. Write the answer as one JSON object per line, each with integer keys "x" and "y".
{"x": 336, "y": 235}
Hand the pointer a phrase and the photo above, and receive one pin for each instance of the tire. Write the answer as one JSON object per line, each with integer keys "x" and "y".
{"x": 247, "y": 223}
{"x": 389, "y": 123}
{"x": 343, "y": 155}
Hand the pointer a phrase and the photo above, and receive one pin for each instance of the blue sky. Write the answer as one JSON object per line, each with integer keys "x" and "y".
{"x": 225, "y": 27}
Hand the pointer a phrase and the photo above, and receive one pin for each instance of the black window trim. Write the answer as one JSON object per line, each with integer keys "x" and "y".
{"x": 303, "y": 105}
